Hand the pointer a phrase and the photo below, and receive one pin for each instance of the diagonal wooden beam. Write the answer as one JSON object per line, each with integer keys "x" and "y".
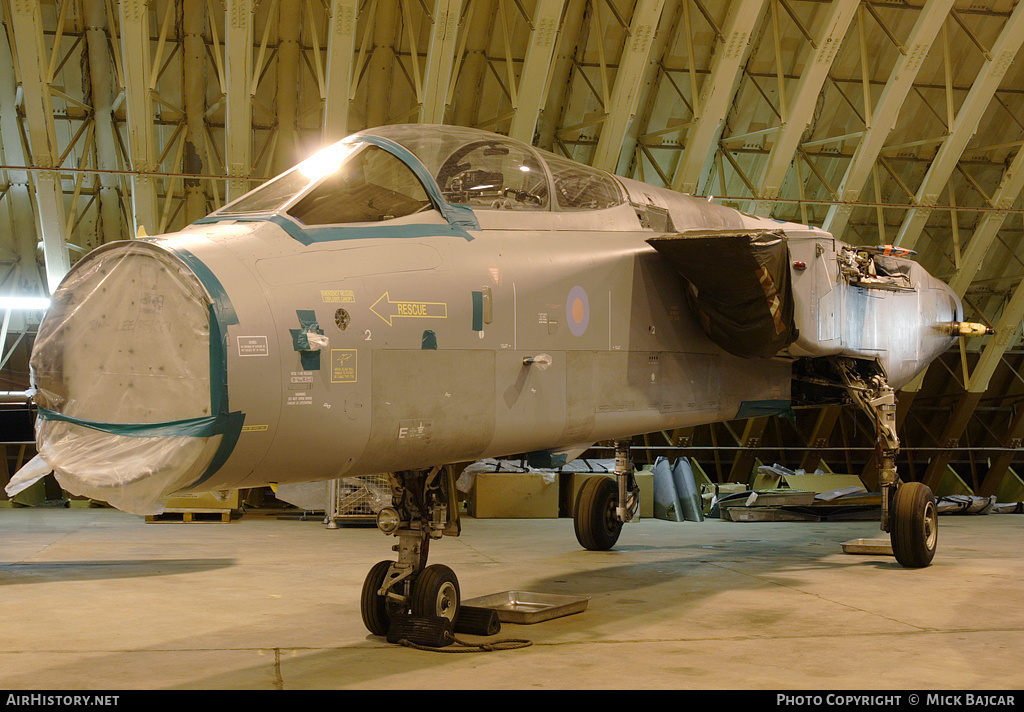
{"x": 964, "y": 125}
{"x": 341, "y": 44}
{"x": 717, "y": 94}
{"x": 1006, "y": 331}
{"x": 1001, "y": 462}
{"x": 30, "y": 54}
{"x": 743, "y": 463}
{"x": 537, "y": 65}
{"x": 800, "y": 114}
{"x": 437, "y": 76}
{"x": 634, "y": 65}
{"x": 238, "y": 69}
{"x": 883, "y": 118}
{"x": 1010, "y": 187}
{"x": 824, "y": 424}
{"x": 19, "y": 233}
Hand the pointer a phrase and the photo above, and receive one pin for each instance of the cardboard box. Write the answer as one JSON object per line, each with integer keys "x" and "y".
{"x": 644, "y": 478}
{"x": 513, "y": 495}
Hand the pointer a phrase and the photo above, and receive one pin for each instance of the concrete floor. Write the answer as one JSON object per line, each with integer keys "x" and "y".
{"x": 95, "y": 599}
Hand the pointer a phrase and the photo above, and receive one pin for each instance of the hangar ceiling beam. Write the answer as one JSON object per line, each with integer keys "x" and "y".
{"x": 717, "y": 94}
{"x": 883, "y": 118}
{"x": 32, "y": 61}
{"x": 1007, "y": 331}
{"x": 536, "y": 72}
{"x": 289, "y": 32}
{"x": 382, "y": 22}
{"x": 20, "y": 227}
{"x": 798, "y": 116}
{"x": 743, "y": 461}
{"x": 1010, "y": 187}
{"x": 194, "y": 94}
{"x": 103, "y": 82}
{"x": 964, "y": 125}
{"x": 341, "y": 47}
{"x": 437, "y": 77}
{"x": 573, "y": 28}
{"x": 1001, "y": 463}
{"x": 634, "y": 66}
{"x": 134, "y": 21}
{"x": 473, "y": 62}
{"x": 818, "y": 441}
{"x": 238, "y": 71}
{"x": 929, "y": 22}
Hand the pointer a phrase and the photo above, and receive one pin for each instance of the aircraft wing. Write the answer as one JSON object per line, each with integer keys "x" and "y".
{"x": 739, "y": 286}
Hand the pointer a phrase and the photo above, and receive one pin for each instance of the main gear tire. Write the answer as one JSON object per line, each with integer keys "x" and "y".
{"x": 914, "y": 525}
{"x": 594, "y": 518}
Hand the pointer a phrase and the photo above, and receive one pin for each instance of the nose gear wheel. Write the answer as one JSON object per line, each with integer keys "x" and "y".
{"x": 436, "y": 593}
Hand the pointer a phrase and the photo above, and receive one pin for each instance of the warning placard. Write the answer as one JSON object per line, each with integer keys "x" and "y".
{"x": 344, "y": 366}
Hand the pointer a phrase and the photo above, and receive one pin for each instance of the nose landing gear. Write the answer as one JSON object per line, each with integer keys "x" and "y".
{"x": 423, "y": 508}
{"x": 909, "y": 514}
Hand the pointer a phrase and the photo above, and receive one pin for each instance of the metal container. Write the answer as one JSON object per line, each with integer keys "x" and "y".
{"x": 868, "y": 546}
{"x": 525, "y": 607}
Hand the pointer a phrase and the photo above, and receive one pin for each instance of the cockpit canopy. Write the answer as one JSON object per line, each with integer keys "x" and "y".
{"x": 395, "y": 171}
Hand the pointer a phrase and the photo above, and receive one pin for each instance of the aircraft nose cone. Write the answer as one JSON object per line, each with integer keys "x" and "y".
{"x": 122, "y": 367}
{"x": 941, "y": 311}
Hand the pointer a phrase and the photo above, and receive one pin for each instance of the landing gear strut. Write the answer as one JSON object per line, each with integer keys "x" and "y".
{"x": 604, "y": 505}
{"x": 908, "y": 508}
{"x": 423, "y": 508}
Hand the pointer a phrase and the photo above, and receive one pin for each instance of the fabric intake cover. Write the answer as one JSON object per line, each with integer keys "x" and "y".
{"x": 738, "y": 285}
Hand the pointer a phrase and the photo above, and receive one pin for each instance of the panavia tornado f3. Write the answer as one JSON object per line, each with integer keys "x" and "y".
{"x": 414, "y": 297}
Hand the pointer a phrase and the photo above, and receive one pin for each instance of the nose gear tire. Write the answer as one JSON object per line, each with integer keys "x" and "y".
{"x": 914, "y": 528}
{"x": 372, "y": 606}
{"x": 436, "y": 593}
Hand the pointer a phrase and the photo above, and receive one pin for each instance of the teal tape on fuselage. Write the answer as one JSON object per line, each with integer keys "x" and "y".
{"x": 222, "y": 315}
{"x": 334, "y": 233}
{"x": 456, "y": 215}
{"x": 460, "y": 218}
{"x": 222, "y": 306}
{"x": 189, "y": 428}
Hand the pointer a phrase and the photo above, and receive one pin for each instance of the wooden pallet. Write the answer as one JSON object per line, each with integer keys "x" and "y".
{"x": 191, "y": 515}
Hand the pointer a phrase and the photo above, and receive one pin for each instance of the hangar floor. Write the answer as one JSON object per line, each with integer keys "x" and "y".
{"x": 95, "y": 599}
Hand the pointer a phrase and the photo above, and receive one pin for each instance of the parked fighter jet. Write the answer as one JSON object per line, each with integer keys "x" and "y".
{"x": 413, "y": 297}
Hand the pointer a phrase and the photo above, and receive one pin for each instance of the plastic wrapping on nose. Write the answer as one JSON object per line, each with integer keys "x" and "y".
{"x": 126, "y": 340}
{"x": 122, "y": 364}
{"x": 130, "y": 473}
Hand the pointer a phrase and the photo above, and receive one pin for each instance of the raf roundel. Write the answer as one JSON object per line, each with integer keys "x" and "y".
{"x": 577, "y": 311}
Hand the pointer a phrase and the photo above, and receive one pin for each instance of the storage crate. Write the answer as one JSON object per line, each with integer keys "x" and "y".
{"x": 355, "y": 498}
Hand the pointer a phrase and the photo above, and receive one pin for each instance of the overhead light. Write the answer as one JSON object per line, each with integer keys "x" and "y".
{"x": 26, "y": 303}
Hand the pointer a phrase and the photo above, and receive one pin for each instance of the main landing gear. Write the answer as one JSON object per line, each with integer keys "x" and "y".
{"x": 603, "y": 505}
{"x": 909, "y": 514}
{"x": 423, "y": 508}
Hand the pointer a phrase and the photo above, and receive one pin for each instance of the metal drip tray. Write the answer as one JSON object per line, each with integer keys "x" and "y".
{"x": 881, "y": 547}
{"x": 526, "y": 607}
